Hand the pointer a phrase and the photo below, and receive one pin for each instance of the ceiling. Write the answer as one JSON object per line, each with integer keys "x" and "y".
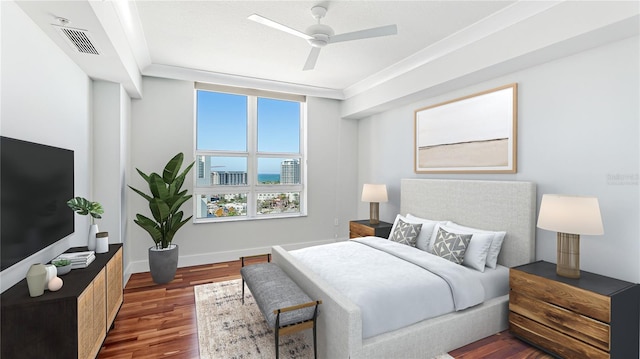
{"x": 213, "y": 41}
{"x": 216, "y": 36}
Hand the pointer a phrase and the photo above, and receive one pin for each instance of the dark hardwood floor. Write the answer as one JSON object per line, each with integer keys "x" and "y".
{"x": 159, "y": 321}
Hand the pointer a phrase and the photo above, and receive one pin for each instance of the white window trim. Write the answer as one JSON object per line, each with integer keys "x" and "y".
{"x": 252, "y": 187}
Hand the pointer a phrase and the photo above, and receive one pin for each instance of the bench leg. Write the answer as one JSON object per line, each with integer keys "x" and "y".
{"x": 277, "y": 331}
{"x": 242, "y": 290}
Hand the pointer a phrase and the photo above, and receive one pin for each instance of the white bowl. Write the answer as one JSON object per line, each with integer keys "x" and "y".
{"x": 64, "y": 269}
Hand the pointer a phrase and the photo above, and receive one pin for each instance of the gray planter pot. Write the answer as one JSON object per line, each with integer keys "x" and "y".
{"x": 163, "y": 263}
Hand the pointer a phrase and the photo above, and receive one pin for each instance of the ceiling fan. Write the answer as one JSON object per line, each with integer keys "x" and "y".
{"x": 320, "y": 35}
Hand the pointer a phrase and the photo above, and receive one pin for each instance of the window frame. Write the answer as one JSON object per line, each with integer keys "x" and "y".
{"x": 252, "y": 188}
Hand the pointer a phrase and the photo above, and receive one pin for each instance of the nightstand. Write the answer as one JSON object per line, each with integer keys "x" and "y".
{"x": 363, "y": 228}
{"x": 590, "y": 317}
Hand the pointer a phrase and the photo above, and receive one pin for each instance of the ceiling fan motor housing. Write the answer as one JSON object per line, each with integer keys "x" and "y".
{"x": 321, "y": 34}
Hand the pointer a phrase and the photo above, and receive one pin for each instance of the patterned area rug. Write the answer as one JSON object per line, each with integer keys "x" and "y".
{"x": 227, "y": 329}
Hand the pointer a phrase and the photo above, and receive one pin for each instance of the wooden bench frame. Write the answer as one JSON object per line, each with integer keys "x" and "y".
{"x": 290, "y": 328}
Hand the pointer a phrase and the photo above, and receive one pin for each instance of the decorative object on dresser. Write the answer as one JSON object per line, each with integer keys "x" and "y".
{"x": 588, "y": 317}
{"x": 102, "y": 242}
{"x": 85, "y": 207}
{"x": 363, "y": 228}
{"x": 165, "y": 201}
{"x": 374, "y": 193}
{"x": 36, "y": 279}
{"x": 570, "y": 216}
{"x": 71, "y": 322}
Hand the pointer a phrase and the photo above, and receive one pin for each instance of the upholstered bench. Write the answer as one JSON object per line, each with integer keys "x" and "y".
{"x": 286, "y": 308}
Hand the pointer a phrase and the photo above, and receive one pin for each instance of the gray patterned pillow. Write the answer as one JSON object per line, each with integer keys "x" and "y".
{"x": 451, "y": 246}
{"x": 406, "y": 233}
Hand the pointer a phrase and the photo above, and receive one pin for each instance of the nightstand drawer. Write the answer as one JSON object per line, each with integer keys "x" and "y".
{"x": 573, "y": 324}
{"x": 363, "y": 228}
{"x": 542, "y": 336}
{"x": 358, "y": 230}
{"x": 566, "y": 296}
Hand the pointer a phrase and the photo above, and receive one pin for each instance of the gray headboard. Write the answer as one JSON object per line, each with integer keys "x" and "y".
{"x": 493, "y": 205}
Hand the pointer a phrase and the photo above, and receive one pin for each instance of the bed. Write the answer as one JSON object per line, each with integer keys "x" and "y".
{"x": 495, "y": 205}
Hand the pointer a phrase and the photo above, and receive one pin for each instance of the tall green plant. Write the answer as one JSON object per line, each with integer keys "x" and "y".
{"x": 164, "y": 202}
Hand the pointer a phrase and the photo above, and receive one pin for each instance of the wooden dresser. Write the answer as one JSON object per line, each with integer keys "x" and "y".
{"x": 363, "y": 228}
{"x": 590, "y": 317}
{"x": 70, "y": 323}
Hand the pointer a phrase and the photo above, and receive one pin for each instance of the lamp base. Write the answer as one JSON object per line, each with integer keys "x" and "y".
{"x": 568, "y": 256}
{"x": 374, "y": 212}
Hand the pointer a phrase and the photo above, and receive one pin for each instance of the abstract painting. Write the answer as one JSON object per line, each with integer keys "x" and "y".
{"x": 476, "y": 133}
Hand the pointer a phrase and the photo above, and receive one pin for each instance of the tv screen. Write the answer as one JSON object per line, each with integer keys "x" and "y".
{"x": 36, "y": 181}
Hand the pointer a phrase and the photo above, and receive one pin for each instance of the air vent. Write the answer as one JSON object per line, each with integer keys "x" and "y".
{"x": 78, "y": 39}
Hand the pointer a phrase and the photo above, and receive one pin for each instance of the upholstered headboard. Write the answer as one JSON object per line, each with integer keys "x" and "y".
{"x": 492, "y": 205}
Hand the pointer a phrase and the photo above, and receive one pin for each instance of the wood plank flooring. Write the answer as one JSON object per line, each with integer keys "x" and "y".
{"x": 159, "y": 321}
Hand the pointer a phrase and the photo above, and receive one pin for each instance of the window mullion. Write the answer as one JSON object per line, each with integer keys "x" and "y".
{"x": 252, "y": 146}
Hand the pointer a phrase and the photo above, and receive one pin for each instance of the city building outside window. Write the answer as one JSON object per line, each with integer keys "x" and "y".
{"x": 250, "y": 154}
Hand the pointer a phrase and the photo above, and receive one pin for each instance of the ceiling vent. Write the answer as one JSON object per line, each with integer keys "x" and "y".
{"x": 80, "y": 40}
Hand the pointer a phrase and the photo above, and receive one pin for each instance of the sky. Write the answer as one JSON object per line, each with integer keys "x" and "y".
{"x": 222, "y": 125}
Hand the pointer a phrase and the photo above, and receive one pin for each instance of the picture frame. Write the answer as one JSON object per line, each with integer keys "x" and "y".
{"x": 471, "y": 134}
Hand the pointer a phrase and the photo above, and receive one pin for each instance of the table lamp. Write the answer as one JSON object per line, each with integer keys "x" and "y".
{"x": 374, "y": 193}
{"x": 570, "y": 216}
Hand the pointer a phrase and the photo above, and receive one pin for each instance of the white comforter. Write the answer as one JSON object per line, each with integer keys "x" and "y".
{"x": 393, "y": 284}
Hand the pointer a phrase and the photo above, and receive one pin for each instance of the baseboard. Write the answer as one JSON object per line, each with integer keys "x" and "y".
{"x": 217, "y": 257}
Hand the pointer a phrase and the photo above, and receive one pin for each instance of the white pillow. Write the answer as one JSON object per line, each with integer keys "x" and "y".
{"x": 496, "y": 244}
{"x": 428, "y": 232}
{"x": 477, "y": 250}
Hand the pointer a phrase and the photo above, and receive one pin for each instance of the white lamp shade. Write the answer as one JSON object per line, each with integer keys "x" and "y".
{"x": 570, "y": 214}
{"x": 374, "y": 193}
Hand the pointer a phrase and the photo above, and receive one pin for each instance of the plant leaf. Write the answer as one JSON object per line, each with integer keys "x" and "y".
{"x": 171, "y": 169}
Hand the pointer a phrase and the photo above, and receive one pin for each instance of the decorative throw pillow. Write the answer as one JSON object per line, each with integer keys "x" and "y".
{"x": 476, "y": 255}
{"x": 451, "y": 246}
{"x": 427, "y": 233}
{"x": 406, "y": 233}
{"x": 496, "y": 244}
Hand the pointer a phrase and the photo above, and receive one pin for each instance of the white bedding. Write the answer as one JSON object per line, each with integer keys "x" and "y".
{"x": 389, "y": 284}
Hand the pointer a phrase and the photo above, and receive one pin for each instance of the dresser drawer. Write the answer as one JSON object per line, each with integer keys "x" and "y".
{"x": 573, "y": 298}
{"x": 544, "y": 337}
{"x": 573, "y": 324}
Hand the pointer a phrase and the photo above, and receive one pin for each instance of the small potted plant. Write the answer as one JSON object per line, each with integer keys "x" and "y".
{"x": 63, "y": 266}
{"x": 84, "y": 207}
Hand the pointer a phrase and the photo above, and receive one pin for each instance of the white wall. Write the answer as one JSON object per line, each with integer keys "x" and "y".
{"x": 578, "y": 131}
{"x": 45, "y": 98}
{"x": 163, "y": 125}
{"x": 111, "y": 117}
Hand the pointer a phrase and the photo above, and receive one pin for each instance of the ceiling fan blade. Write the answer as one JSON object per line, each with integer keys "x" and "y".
{"x": 365, "y": 34}
{"x": 264, "y": 21}
{"x": 311, "y": 60}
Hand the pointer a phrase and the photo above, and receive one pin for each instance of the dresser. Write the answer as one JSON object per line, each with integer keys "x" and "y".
{"x": 69, "y": 323}
{"x": 363, "y": 228}
{"x": 590, "y": 317}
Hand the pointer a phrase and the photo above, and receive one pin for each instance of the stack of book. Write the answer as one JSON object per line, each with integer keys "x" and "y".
{"x": 78, "y": 259}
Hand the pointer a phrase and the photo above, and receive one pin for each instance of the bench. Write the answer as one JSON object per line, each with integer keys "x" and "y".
{"x": 286, "y": 308}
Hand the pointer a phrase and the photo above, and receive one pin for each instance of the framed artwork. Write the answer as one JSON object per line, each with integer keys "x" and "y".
{"x": 472, "y": 134}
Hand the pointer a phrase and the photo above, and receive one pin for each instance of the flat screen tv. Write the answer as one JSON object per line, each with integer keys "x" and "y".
{"x": 36, "y": 181}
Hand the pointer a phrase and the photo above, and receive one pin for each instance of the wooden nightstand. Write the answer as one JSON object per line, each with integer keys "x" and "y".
{"x": 363, "y": 228}
{"x": 590, "y": 317}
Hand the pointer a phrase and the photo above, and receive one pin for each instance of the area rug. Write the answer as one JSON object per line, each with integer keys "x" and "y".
{"x": 228, "y": 329}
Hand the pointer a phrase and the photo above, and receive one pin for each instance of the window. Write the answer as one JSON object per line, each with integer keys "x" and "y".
{"x": 250, "y": 158}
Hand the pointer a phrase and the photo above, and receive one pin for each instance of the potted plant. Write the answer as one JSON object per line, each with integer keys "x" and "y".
{"x": 84, "y": 207}
{"x": 165, "y": 201}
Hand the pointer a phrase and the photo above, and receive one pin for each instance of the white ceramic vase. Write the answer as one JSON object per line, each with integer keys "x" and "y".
{"x": 91, "y": 243}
